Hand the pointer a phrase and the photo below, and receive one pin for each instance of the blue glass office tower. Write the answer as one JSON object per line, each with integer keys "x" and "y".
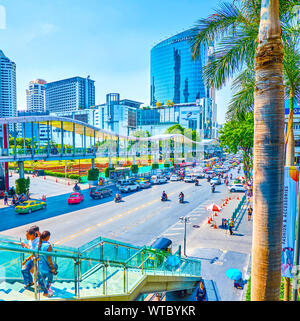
{"x": 175, "y": 75}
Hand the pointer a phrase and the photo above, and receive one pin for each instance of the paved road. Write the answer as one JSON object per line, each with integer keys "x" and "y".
{"x": 138, "y": 220}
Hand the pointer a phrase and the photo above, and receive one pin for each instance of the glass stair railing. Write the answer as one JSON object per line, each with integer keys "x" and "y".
{"x": 101, "y": 267}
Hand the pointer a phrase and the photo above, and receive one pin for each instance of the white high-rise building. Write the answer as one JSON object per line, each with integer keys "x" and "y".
{"x": 35, "y": 96}
{"x": 8, "y": 87}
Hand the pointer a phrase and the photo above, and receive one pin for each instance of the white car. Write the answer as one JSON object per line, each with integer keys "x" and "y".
{"x": 158, "y": 179}
{"x": 215, "y": 180}
{"x": 189, "y": 179}
{"x": 128, "y": 187}
{"x": 174, "y": 178}
{"x": 236, "y": 188}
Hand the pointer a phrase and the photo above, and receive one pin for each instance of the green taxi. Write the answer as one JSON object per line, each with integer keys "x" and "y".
{"x": 30, "y": 206}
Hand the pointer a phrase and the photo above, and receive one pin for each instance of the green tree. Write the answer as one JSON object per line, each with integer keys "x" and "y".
{"x": 238, "y": 134}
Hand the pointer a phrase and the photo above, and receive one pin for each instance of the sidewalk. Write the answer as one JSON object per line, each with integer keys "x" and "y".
{"x": 217, "y": 250}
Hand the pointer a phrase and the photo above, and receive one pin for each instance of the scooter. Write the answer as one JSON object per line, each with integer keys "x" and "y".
{"x": 118, "y": 199}
{"x": 164, "y": 198}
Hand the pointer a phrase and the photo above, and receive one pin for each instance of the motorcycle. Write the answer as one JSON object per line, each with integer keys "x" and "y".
{"x": 164, "y": 198}
{"x": 118, "y": 199}
{"x": 196, "y": 183}
{"x": 212, "y": 188}
{"x": 208, "y": 178}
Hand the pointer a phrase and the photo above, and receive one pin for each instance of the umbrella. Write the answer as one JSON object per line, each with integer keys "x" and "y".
{"x": 213, "y": 208}
{"x": 240, "y": 178}
{"x": 234, "y": 274}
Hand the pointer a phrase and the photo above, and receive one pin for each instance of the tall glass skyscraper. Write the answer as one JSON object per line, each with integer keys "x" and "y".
{"x": 8, "y": 91}
{"x": 175, "y": 76}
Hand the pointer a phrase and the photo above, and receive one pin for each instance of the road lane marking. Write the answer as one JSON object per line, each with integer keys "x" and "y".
{"x": 101, "y": 224}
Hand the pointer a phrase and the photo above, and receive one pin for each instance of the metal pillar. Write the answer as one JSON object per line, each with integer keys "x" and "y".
{"x": 93, "y": 163}
{"x": 21, "y": 169}
{"x": 73, "y": 134}
{"x": 6, "y": 146}
{"x": 84, "y": 140}
{"x": 62, "y": 138}
{"x": 48, "y": 138}
{"x": 32, "y": 140}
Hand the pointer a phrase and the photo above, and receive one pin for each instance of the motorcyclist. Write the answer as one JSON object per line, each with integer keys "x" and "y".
{"x": 213, "y": 187}
{"x": 196, "y": 182}
{"x": 164, "y": 195}
{"x": 181, "y": 197}
{"x": 118, "y": 197}
{"x": 76, "y": 188}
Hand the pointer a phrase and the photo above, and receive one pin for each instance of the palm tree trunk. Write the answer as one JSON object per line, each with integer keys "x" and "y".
{"x": 268, "y": 157}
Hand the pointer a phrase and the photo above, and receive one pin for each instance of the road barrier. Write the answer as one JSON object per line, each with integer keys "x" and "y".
{"x": 240, "y": 205}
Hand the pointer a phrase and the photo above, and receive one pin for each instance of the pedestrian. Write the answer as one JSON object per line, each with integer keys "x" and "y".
{"x": 230, "y": 226}
{"x": 46, "y": 267}
{"x": 201, "y": 292}
{"x": 27, "y": 264}
{"x": 250, "y": 210}
{"x": 5, "y": 199}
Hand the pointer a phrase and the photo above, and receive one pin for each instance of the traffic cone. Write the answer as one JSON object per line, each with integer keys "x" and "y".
{"x": 238, "y": 198}
{"x": 216, "y": 214}
{"x": 229, "y": 198}
{"x": 44, "y": 177}
{"x": 215, "y": 225}
{"x": 56, "y": 181}
{"x": 208, "y": 221}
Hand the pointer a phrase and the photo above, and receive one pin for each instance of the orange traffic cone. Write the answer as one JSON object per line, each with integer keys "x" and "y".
{"x": 56, "y": 181}
{"x": 44, "y": 177}
{"x": 229, "y": 198}
{"x": 215, "y": 225}
{"x": 216, "y": 214}
{"x": 208, "y": 221}
{"x": 238, "y": 198}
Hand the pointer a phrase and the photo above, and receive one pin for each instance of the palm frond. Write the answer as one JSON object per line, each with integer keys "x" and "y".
{"x": 231, "y": 56}
{"x": 225, "y": 19}
{"x": 242, "y": 101}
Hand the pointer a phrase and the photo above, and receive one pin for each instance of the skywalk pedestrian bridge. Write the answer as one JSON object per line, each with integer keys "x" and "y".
{"x": 102, "y": 269}
{"x": 79, "y": 140}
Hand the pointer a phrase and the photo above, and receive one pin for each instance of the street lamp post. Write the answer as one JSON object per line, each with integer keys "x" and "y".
{"x": 185, "y": 220}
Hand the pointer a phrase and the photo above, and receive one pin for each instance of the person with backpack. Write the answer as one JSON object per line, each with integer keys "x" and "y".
{"x": 46, "y": 267}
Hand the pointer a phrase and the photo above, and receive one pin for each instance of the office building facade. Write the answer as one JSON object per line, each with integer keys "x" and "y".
{"x": 70, "y": 94}
{"x": 8, "y": 87}
{"x": 175, "y": 76}
{"x": 35, "y": 96}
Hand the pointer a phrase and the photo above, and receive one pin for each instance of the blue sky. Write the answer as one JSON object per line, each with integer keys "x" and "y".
{"x": 110, "y": 40}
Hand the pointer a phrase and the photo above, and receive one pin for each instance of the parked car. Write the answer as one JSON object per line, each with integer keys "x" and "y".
{"x": 30, "y": 206}
{"x": 189, "y": 179}
{"x": 215, "y": 180}
{"x": 98, "y": 192}
{"x": 75, "y": 198}
{"x": 158, "y": 179}
{"x": 174, "y": 178}
{"x": 236, "y": 188}
{"x": 128, "y": 187}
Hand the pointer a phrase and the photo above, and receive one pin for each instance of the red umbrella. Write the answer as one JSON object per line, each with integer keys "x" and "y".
{"x": 213, "y": 208}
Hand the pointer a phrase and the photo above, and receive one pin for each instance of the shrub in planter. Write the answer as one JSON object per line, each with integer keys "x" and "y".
{"x": 21, "y": 185}
{"x": 166, "y": 165}
{"x": 155, "y": 166}
{"x": 134, "y": 169}
{"x": 73, "y": 176}
{"x": 93, "y": 174}
{"x": 106, "y": 171}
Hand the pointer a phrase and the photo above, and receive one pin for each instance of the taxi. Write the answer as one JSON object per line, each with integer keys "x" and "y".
{"x": 75, "y": 198}
{"x": 30, "y": 206}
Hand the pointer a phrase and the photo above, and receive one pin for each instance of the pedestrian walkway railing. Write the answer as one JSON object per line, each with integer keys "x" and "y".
{"x": 239, "y": 207}
{"x": 100, "y": 267}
